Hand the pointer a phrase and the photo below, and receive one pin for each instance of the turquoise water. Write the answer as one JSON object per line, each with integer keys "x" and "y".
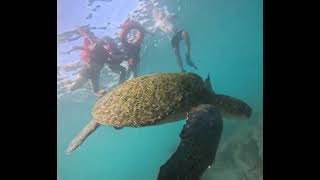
{"x": 226, "y": 37}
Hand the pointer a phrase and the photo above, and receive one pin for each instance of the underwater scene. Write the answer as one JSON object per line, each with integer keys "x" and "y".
{"x": 159, "y": 90}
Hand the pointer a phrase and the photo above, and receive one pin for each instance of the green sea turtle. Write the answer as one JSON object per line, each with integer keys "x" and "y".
{"x": 156, "y": 99}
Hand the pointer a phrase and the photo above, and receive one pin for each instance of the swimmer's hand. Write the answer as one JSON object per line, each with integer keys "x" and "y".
{"x": 152, "y": 33}
{"x": 65, "y": 52}
{"x": 101, "y": 93}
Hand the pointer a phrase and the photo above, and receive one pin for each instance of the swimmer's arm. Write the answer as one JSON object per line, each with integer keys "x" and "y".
{"x": 75, "y": 38}
{"x": 75, "y": 64}
{"x": 105, "y": 27}
{"x": 71, "y": 66}
{"x": 75, "y": 48}
{"x": 66, "y": 34}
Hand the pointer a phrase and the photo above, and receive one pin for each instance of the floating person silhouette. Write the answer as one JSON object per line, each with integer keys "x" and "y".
{"x": 95, "y": 8}
{"x": 162, "y": 20}
{"x": 65, "y": 36}
{"x": 93, "y": 61}
{"x": 68, "y": 35}
{"x": 90, "y": 2}
{"x": 89, "y": 16}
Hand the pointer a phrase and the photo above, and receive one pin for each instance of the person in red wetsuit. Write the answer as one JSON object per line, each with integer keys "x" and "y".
{"x": 93, "y": 63}
{"x": 88, "y": 42}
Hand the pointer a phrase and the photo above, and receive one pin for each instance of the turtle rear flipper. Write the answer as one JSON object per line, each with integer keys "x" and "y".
{"x": 84, "y": 133}
{"x": 200, "y": 138}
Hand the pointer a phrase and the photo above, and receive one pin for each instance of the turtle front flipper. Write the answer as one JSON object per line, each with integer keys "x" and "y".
{"x": 200, "y": 138}
{"x": 84, "y": 133}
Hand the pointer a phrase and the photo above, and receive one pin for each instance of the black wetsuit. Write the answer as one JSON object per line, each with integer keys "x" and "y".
{"x": 200, "y": 138}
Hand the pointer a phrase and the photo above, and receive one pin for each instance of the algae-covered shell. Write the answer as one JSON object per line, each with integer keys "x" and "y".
{"x": 149, "y": 99}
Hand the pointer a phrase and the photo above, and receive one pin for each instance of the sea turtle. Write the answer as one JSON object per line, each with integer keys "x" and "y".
{"x": 156, "y": 99}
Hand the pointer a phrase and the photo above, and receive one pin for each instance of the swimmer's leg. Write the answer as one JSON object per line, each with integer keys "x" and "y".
{"x": 117, "y": 68}
{"x": 95, "y": 84}
{"x": 80, "y": 81}
{"x": 178, "y": 57}
{"x": 186, "y": 39}
{"x": 122, "y": 74}
{"x": 134, "y": 67}
{"x": 96, "y": 88}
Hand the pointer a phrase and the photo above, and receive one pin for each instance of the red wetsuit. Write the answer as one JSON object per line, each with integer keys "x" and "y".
{"x": 85, "y": 53}
{"x": 88, "y": 41}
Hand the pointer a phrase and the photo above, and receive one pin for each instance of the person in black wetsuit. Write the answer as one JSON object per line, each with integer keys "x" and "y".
{"x": 200, "y": 138}
{"x": 162, "y": 20}
{"x": 132, "y": 48}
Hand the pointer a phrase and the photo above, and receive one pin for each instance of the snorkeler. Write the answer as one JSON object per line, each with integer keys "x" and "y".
{"x": 199, "y": 141}
{"x": 94, "y": 54}
{"x": 90, "y": 2}
{"x": 132, "y": 47}
{"x": 89, "y": 16}
{"x": 95, "y": 8}
{"x": 162, "y": 22}
{"x": 92, "y": 63}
